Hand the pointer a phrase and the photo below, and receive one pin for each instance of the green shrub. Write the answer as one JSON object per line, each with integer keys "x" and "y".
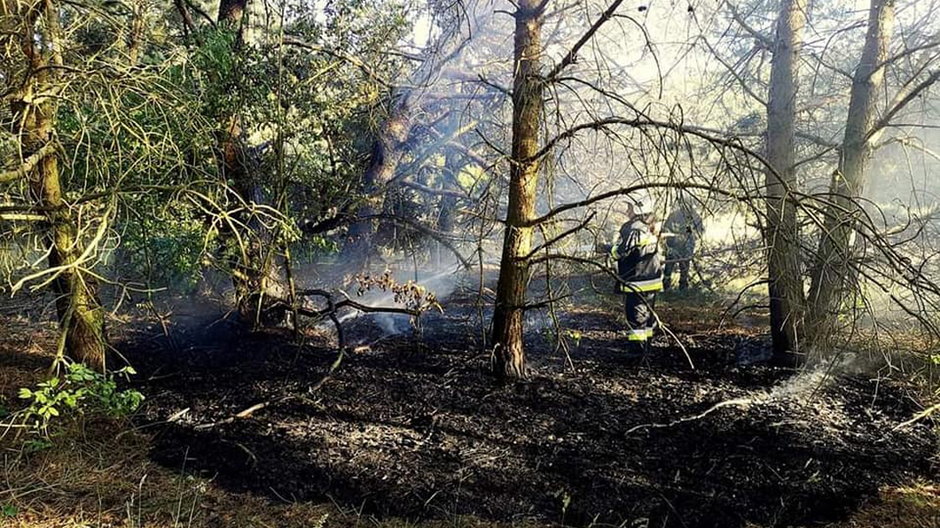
{"x": 81, "y": 390}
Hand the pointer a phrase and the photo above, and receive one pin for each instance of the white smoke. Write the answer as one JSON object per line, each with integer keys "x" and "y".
{"x": 441, "y": 282}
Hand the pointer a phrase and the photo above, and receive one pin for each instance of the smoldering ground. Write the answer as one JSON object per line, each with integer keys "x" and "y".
{"x": 415, "y": 427}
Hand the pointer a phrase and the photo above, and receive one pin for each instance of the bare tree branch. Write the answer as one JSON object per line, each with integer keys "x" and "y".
{"x": 764, "y": 40}
{"x": 27, "y": 165}
{"x": 903, "y": 98}
{"x": 572, "y": 54}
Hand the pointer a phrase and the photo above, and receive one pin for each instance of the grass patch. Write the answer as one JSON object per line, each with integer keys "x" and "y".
{"x": 98, "y": 474}
{"x": 914, "y": 506}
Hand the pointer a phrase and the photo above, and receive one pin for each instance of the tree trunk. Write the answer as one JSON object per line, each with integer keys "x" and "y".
{"x": 387, "y": 153}
{"x": 447, "y": 216}
{"x": 80, "y": 314}
{"x": 256, "y": 278}
{"x": 135, "y": 35}
{"x": 785, "y": 286}
{"x": 833, "y": 267}
{"x": 523, "y": 180}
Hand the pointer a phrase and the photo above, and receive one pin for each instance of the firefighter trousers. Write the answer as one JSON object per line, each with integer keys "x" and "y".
{"x": 640, "y": 319}
{"x": 685, "y": 267}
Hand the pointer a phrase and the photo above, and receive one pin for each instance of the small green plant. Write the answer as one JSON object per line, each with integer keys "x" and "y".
{"x": 80, "y": 390}
{"x": 35, "y": 445}
{"x": 9, "y": 511}
{"x": 574, "y": 336}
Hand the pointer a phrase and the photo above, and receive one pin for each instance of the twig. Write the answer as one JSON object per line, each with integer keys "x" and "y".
{"x": 918, "y": 417}
{"x": 739, "y": 402}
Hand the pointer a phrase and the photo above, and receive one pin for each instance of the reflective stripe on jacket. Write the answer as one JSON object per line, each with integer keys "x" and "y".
{"x": 644, "y": 240}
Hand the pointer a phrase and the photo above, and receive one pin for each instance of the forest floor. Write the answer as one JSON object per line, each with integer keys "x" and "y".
{"x": 411, "y": 430}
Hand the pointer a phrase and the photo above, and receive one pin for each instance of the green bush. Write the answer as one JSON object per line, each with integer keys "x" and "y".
{"x": 81, "y": 390}
{"x": 163, "y": 250}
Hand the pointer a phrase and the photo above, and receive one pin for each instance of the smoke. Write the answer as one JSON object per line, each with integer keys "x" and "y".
{"x": 810, "y": 381}
{"x": 800, "y": 389}
{"x": 460, "y": 96}
{"x": 441, "y": 281}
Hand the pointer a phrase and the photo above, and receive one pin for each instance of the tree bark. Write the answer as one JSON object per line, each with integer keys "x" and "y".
{"x": 80, "y": 314}
{"x": 833, "y": 266}
{"x": 785, "y": 286}
{"x": 448, "y": 203}
{"x": 256, "y": 276}
{"x": 232, "y": 12}
{"x": 189, "y": 26}
{"x": 387, "y": 153}
{"x": 135, "y": 35}
{"x": 523, "y": 180}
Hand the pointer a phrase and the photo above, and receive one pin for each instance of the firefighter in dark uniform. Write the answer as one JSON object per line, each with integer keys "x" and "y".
{"x": 640, "y": 268}
{"x": 682, "y": 230}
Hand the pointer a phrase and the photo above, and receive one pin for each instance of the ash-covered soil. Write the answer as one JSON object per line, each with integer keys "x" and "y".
{"x": 414, "y": 427}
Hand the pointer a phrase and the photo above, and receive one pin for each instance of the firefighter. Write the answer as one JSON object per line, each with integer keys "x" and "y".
{"x": 682, "y": 229}
{"x": 640, "y": 268}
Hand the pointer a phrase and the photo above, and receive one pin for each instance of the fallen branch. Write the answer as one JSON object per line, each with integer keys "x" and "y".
{"x": 918, "y": 417}
{"x": 333, "y": 307}
{"x": 738, "y": 402}
{"x": 429, "y": 190}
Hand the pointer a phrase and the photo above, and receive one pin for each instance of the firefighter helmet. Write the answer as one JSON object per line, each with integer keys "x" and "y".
{"x": 642, "y": 202}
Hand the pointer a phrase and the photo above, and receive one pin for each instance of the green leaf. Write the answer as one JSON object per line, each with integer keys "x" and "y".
{"x": 25, "y": 393}
{"x": 35, "y": 445}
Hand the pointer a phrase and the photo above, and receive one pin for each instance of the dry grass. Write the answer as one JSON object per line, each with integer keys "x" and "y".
{"x": 26, "y": 351}
{"x": 98, "y": 474}
{"x": 913, "y": 506}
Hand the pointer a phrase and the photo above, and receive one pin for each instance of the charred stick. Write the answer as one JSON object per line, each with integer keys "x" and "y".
{"x": 333, "y": 307}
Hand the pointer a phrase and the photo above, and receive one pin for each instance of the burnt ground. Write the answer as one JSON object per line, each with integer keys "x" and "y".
{"x": 412, "y": 427}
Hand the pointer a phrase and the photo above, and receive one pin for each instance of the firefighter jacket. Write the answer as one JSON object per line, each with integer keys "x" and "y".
{"x": 683, "y": 227}
{"x": 639, "y": 260}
